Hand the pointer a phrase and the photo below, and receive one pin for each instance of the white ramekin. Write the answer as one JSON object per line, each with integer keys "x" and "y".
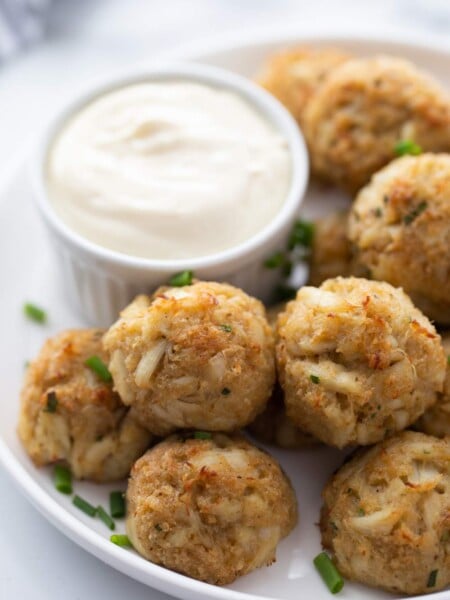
{"x": 99, "y": 282}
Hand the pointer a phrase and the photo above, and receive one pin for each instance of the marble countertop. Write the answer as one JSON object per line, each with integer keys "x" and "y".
{"x": 85, "y": 38}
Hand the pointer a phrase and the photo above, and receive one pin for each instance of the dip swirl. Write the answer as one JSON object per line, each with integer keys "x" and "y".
{"x": 168, "y": 170}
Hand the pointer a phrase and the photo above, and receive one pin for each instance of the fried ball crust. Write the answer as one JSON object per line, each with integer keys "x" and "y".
{"x": 357, "y": 361}
{"x": 196, "y": 357}
{"x": 386, "y": 515}
{"x": 294, "y": 75}
{"x": 273, "y": 426}
{"x": 213, "y": 509}
{"x": 363, "y": 109}
{"x": 331, "y": 250}
{"x": 69, "y": 414}
{"x": 400, "y": 228}
{"x": 436, "y": 420}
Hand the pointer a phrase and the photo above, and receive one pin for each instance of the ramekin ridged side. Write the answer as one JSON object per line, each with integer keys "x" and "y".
{"x": 99, "y": 282}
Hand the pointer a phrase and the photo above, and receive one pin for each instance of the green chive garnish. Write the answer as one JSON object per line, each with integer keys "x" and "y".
{"x": 103, "y": 515}
{"x": 84, "y": 506}
{"x": 226, "y": 328}
{"x": 181, "y": 279}
{"x": 409, "y": 218}
{"x": 117, "y": 505}
{"x": 407, "y": 147}
{"x": 34, "y": 313}
{"x": 432, "y": 578}
{"x": 226, "y": 391}
{"x": 302, "y": 235}
{"x": 26, "y": 364}
{"x": 314, "y": 378}
{"x": 63, "y": 479}
{"x": 287, "y": 268}
{"x": 121, "y": 540}
{"x": 329, "y": 573}
{"x": 202, "y": 435}
{"x": 52, "y": 402}
{"x": 361, "y": 512}
{"x": 284, "y": 293}
{"x": 96, "y": 364}
{"x": 276, "y": 260}
{"x": 448, "y": 359}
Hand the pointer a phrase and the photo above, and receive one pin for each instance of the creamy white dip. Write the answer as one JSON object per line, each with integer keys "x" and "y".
{"x": 168, "y": 170}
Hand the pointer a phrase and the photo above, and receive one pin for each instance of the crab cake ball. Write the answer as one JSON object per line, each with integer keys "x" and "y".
{"x": 357, "y": 361}
{"x": 212, "y": 508}
{"x": 274, "y": 427}
{"x": 331, "y": 251}
{"x": 363, "y": 109}
{"x": 400, "y": 228}
{"x": 200, "y": 357}
{"x": 69, "y": 414}
{"x": 436, "y": 420}
{"x": 294, "y": 75}
{"x": 386, "y": 515}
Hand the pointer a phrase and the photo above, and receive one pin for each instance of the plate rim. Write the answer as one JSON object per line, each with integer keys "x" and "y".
{"x": 130, "y": 564}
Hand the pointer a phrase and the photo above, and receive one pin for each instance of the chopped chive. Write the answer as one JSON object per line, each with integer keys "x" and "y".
{"x": 276, "y": 260}
{"x": 26, "y": 364}
{"x": 181, "y": 279}
{"x": 121, "y": 540}
{"x": 117, "y": 505}
{"x": 314, "y": 378}
{"x": 432, "y": 578}
{"x": 284, "y": 292}
{"x": 378, "y": 212}
{"x": 103, "y": 515}
{"x": 202, "y": 435}
{"x": 302, "y": 235}
{"x": 409, "y": 218}
{"x": 63, "y": 479}
{"x": 287, "y": 268}
{"x": 34, "y": 313}
{"x": 361, "y": 512}
{"x": 226, "y": 391}
{"x": 226, "y": 328}
{"x": 448, "y": 359}
{"x": 329, "y": 573}
{"x": 52, "y": 402}
{"x": 96, "y": 364}
{"x": 84, "y": 506}
{"x": 407, "y": 147}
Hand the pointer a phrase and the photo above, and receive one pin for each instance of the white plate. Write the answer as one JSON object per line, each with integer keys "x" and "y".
{"x": 27, "y": 273}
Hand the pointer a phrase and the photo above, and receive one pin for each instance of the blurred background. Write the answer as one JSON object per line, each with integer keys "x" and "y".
{"x": 49, "y": 47}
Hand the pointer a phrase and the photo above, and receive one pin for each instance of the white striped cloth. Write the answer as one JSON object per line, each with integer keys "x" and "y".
{"x": 22, "y": 22}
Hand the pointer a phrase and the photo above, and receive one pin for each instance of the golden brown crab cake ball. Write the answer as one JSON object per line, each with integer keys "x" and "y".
{"x": 436, "y": 420}
{"x": 386, "y": 515}
{"x": 363, "y": 109}
{"x": 213, "y": 508}
{"x": 400, "y": 228}
{"x": 357, "y": 361}
{"x": 199, "y": 356}
{"x": 294, "y": 75}
{"x": 331, "y": 251}
{"x": 70, "y": 414}
{"x": 273, "y": 426}
{"x": 273, "y": 312}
